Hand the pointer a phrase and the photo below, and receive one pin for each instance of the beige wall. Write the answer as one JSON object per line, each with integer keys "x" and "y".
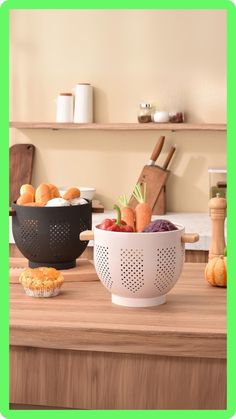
{"x": 175, "y": 59}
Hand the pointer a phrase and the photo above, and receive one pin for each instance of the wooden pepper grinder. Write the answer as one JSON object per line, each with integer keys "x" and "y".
{"x": 217, "y": 207}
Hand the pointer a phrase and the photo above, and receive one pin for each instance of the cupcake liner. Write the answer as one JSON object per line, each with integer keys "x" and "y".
{"x": 42, "y": 292}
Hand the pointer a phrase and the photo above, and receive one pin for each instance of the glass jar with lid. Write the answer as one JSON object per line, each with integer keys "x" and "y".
{"x": 145, "y": 112}
{"x": 217, "y": 181}
{"x": 176, "y": 116}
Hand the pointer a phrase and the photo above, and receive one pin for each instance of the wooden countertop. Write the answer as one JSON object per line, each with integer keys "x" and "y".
{"x": 191, "y": 323}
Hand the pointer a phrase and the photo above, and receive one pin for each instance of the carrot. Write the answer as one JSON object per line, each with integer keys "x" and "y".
{"x": 127, "y": 213}
{"x": 143, "y": 211}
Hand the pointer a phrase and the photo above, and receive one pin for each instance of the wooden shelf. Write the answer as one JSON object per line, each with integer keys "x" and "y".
{"x": 119, "y": 126}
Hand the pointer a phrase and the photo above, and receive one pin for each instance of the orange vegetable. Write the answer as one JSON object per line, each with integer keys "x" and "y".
{"x": 127, "y": 213}
{"x": 216, "y": 271}
{"x": 143, "y": 211}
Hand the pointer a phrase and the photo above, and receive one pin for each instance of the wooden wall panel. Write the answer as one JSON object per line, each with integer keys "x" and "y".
{"x": 98, "y": 380}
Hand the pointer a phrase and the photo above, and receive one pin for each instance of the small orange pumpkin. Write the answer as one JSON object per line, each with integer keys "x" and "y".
{"x": 216, "y": 271}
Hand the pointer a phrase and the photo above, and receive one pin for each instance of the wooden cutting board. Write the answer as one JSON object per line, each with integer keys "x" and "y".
{"x": 83, "y": 271}
{"x": 21, "y": 166}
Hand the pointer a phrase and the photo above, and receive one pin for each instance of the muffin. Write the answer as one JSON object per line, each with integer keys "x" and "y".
{"x": 41, "y": 282}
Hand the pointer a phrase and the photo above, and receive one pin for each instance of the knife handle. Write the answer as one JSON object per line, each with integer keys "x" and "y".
{"x": 157, "y": 150}
{"x": 169, "y": 157}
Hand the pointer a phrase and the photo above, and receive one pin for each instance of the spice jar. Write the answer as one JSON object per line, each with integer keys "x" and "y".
{"x": 145, "y": 112}
{"x": 161, "y": 117}
{"x": 176, "y": 116}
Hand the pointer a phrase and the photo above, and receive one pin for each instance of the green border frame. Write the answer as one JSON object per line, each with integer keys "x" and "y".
{"x": 4, "y": 193}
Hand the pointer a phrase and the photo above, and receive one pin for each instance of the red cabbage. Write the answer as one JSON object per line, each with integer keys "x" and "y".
{"x": 159, "y": 226}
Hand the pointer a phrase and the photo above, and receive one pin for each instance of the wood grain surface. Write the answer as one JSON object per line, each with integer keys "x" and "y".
{"x": 155, "y": 178}
{"x": 192, "y": 323}
{"x": 119, "y": 126}
{"x": 98, "y": 380}
{"x": 159, "y": 207}
{"x": 21, "y": 406}
{"x": 21, "y": 166}
{"x": 83, "y": 271}
{"x": 196, "y": 256}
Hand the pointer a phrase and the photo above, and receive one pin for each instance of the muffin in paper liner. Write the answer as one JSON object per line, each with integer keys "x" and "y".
{"x": 41, "y": 282}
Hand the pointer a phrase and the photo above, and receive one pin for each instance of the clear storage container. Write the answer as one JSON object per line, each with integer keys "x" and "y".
{"x": 217, "y": 182}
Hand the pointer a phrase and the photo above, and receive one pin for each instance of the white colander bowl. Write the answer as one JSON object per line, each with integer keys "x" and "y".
{"x": 139, "y": 269}
{"x": 85, "y": 192}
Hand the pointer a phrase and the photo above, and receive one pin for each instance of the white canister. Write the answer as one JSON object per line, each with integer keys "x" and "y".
{"x": 161, "y": 116}
{"x": 65, "y": 107}
{"x": 83, "y": 112}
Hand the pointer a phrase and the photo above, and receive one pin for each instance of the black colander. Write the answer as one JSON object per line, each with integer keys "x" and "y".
{"x": 49, "y": 236}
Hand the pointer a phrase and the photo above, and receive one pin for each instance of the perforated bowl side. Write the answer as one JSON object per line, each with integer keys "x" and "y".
{"x": 138, "y": 265}
{"x": 49, "y": 236}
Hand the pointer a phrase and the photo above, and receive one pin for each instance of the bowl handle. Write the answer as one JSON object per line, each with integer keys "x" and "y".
{"x": 190, "y": 238}
{"x": 12, "y": 212}
{"x": 86, "y": 235}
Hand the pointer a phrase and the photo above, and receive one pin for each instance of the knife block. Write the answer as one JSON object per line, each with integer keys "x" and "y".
{"x": 160, "y": 204}
{"x": 155, "y": 178}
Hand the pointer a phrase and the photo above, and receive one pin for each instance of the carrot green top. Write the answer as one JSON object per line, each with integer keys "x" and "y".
{"x": 123, "y": 200}
{"x": 138, "y": 194}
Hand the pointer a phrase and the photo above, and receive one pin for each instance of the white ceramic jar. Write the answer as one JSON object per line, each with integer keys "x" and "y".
{"x": 65, "y": 107}
{"x": 160, "y": 117}
{"x": 83, "y": 112}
